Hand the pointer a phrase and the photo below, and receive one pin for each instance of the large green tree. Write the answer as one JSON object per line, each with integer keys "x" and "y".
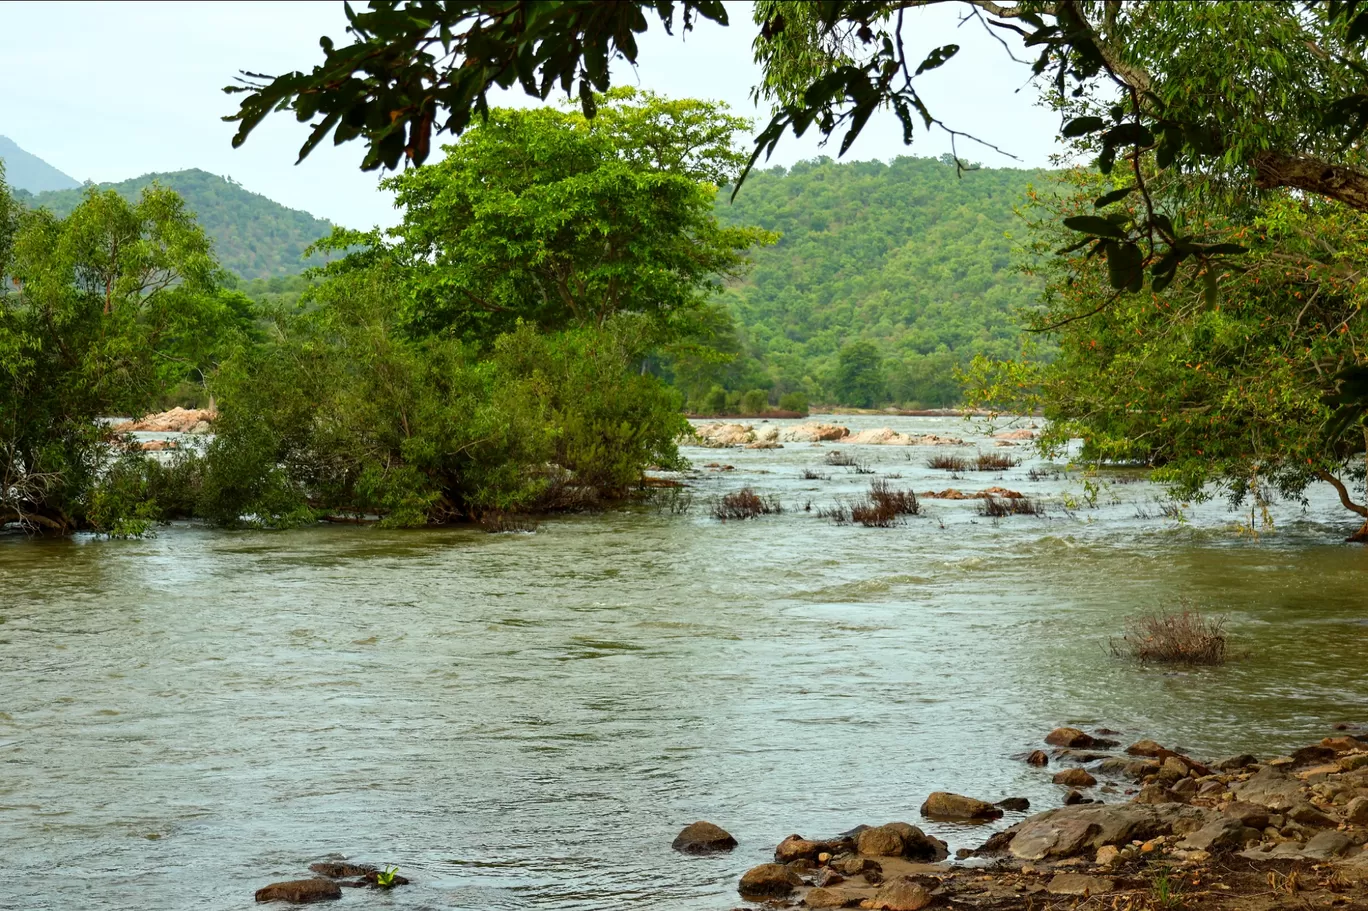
{"x": 101, "y": 314}
{"x": 544, "y": 216}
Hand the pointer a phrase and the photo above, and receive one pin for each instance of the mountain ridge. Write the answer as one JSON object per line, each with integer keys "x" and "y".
{"x": 26, "y": 171}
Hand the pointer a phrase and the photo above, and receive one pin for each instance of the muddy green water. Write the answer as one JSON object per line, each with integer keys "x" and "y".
{"x": 525, "y": 721}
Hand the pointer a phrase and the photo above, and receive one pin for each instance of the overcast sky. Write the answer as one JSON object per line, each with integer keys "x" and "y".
{"x": 110, "y": 91}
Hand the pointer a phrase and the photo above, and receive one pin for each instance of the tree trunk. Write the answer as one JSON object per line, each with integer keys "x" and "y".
{"x": 1346, "y": 185}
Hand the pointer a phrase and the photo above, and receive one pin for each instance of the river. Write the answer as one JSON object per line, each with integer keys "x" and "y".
{"x": 526, "y": 720}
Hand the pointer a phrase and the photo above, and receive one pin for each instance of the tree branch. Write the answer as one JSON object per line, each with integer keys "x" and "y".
{"x": 1314, "y": 175}
{"x": 1343, "y": 492}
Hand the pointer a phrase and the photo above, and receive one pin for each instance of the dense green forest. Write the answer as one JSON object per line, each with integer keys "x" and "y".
{"x": 253, "y": 236}
{"x": 910, "y": 258}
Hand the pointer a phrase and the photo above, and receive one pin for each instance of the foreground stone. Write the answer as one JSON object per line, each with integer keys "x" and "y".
{"x": 899, "y": 895}
{"x": 944, "y": 805}
{"x": 703, "y": 838}
{"x": 768, "y": 881}
{"x": 300, "y": 891}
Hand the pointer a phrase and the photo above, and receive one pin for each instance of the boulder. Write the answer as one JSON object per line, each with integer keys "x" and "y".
{"x": 944, "y": 805}
{"x": 1130, "y": 768}
{"x": 1328, "y": 844}
{"x": 1078, "y": 884}
{"x": 796, "y": 847}
{"x": 1014, "y": 804}
{"x": 1313, "y": 755}
{"x": 1236, "y": 763}
{"x": 822, "y": 897}
{"x": 300, "y": 891}
{"x": 1022, "y": 434}
{"x": 1223, "y": 834}
{"x": 768, "y": 881}
{"x": 1075, "y": 831}
{"x": 703, "y": 838}
{"x": 1270, "y": 788}
{"x": 1146, "y": 748}
{"x": 899, "y": 895}
{"x": 813, "y": 432}
{"x": 1069, "y": 737}
{"x": 1038, "y": 758}
{"x": 177, "y": 420}
{"x": 720, "y": 434}
{"x": 1075, "y": 778}
{"x": 1248, "y": 814}
{"x": 1356, "y": 811}
{"x": 881, "y": 841}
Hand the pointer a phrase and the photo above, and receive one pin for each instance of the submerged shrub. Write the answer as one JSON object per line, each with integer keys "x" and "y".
{"x": 745, "y": 504}
{"x": 1185, "y": 637}
{"x": 840, "y": 458}
{"x": 994, "y": 461}
{"x": 948, "y": 462}
{"x": 1000, "y": 507}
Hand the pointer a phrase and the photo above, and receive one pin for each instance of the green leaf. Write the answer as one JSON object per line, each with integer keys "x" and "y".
{"x": 1108, "y": 198}
{"x": 1082, "y": 126}
{"x": 937, "y": 58}
{"x": 1096, "y": 225}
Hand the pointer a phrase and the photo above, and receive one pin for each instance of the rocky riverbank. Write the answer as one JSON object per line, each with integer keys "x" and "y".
{"x": 1141, "y": 828}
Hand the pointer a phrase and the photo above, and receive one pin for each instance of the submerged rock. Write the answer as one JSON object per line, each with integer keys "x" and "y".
{"x": 1075, "y": 778}
{"x": 300, "y": 891}
{"x": 703, "y": 838}
{"x": 944, "y": 805}
{"x": 334, "y": 870}
{"x": 768, "y": 881}
{"x": 1069, "y": 737}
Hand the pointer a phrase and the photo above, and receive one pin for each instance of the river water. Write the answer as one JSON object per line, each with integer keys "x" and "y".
{"x": 526, "y": 720}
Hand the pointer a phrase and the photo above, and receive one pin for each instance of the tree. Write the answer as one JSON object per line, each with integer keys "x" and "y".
{"x": 103, "y": 312}
{"x": 859, "y": 375}
{"x": 543, "y": 216}
{"x": 1233, "y": 394}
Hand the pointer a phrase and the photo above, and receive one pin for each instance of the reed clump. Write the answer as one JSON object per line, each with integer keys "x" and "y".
{"x": 994, "y": 461}
{"x": 745, "y": 504}
{"x": 948, "y": 462}
{"x": 1001, "y": 507}
{"x": 1173, "y": 637}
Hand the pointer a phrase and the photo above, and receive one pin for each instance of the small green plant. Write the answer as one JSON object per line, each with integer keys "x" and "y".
{"x": 385, "y": 878}
{"x": 1166, "y": 890}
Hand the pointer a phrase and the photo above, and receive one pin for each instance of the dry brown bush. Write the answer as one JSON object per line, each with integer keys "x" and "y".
{"x": 1183, "y": 637}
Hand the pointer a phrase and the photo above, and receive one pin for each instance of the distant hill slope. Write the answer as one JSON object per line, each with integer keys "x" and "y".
{"x": 253, "y": 236}
{"x": 906, "y": 255}
{"x": 26, "y": 171}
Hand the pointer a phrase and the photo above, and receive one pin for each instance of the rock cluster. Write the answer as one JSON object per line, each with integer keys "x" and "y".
{"x": 1232, "y": 826}
{"x": 723, "y": 434}
{"x": 325, "y": 886}
{"x": 177, "y": 420}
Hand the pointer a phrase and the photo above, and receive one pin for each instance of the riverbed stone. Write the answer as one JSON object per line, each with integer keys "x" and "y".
{"x": 1075, "y": 778}
{"x": 337, "y": 870}
{"x": 1223, "y": 834}
{"x": 822, "y": 897}
{"x": 899, "y": 895}
{"x": 1038, "y": 758}
{"x": 1356, "y": 811}
{"x": 1147, "y": 748}
{"x": 944, "y": 805}
{"x": 1014, "y": 804}
{"x": 703, "y": 838}
{"x": 300, "y": 891}
{"x": 1078, "y": 830}
{"x": 768, "y": 881}
{"x": 1328, "y": 844}
{"x": 1078, "y": 884}
{"x": 1070, "y": 737}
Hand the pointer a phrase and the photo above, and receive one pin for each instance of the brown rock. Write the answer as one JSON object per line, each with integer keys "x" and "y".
{"x": 1314, "y": 755}
{"x": 899, "y": 895}
{"x": 1069, "y": 737}
{"x": 796, "y": 847}
{"x": 1146, "y": 748}
{"x": 1075, "y": 778}
{"x": 1014, "y": 804}
{"x": 822, "y": 897}
{"x": 1173, "y": 769}
{"x": 341, "y": 870}
{"x": 300, "y": 891}
{"x": 768, "y": 881}
{"x": 917, "y": 845}
{"x": 1236, "y": 763}
{"x": 1356, "y": 811}
{"x": 1074, "y": 797}
{"x": 1038, "y": 758}
{"x": 880, "y": 841}
{"x": 1353, "y": 761}
{"x": 1078, "y": 884}
{"x": 944, "y": 805}
{"x": 1342, "y": 744}
{"x": 1249, "y": 814}
{"x": 703, "y": 838}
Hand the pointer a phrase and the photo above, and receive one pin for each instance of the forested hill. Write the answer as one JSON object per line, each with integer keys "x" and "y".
{"x": 253, "y": 236}
{"x": 908, "y": 256}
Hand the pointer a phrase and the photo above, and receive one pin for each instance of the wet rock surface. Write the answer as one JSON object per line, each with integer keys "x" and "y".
{"x": 1236, "y": 835}
{"x": 703, "y": 838}
{"x": 300, "y": 891}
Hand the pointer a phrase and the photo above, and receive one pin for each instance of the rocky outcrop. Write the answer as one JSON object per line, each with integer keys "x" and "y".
{"x": 703, "y": 838}
{"x": 177, "y": 420}
{"x": 950, "y": 493}
{"x": 1021, "y": 434}
{"x": 300, "y": 891}
{"x": 813, "y": 432}
{"x": 719, "y": 435}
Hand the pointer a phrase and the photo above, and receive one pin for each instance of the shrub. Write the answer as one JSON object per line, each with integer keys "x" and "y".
{"x": 1185, "y": 637}
{"x": 947, "y": 462}
{"x": 810, "y": 475}
{"x": 901, "y": 502}
{"x": 745, "y": 504}
{"x": 755, "y": 402}
{"x": 794, "y": 401}
{"x": 715, "y": 402}
{"x": 840, "y": 459}
{"x": 1000, "y": 507}
{"x": 994, "y": 461}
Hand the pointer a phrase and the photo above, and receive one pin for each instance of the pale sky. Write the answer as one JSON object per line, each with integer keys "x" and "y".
{"x": 109, "y": 91}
